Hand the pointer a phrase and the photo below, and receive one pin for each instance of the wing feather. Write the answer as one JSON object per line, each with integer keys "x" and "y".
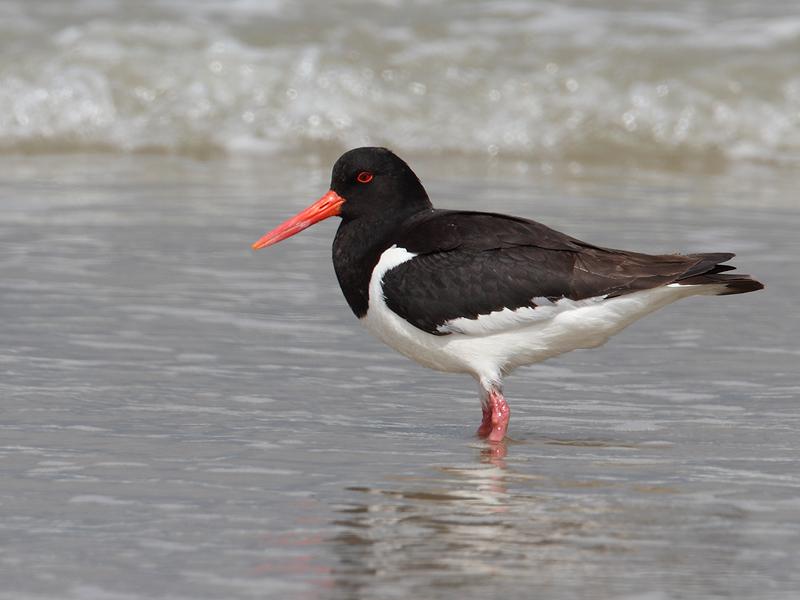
{"x": 470, "y": 264}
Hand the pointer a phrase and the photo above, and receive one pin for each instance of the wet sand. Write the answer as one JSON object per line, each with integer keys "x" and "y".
{"x": 183, "y": 418}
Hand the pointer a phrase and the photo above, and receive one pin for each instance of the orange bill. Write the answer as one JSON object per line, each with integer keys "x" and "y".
{"x": 328, "y": 206}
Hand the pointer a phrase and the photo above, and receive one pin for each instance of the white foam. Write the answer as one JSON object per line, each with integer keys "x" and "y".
{"x": 510, "y": 83}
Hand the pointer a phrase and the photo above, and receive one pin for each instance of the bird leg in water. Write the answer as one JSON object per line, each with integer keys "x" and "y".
{"x": 495, "y": 415}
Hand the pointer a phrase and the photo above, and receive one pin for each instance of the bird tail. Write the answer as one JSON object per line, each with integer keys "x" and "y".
{"x": 709, "y": 271}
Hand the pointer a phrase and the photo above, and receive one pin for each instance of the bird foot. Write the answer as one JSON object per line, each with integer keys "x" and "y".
{"x": 495, "y": 417}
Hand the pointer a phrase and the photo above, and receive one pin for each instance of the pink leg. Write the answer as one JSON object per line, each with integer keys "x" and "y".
{"x": 486, "y": 423}
{"x": 495, "y": 417}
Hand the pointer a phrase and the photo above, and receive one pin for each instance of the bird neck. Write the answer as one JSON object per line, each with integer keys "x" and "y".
{"x": 357, "y": 247}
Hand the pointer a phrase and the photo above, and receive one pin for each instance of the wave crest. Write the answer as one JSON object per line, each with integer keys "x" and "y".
{"x": 534, "y": 82}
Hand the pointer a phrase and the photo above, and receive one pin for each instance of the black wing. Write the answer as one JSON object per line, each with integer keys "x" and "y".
{"x": 471, "y": 264}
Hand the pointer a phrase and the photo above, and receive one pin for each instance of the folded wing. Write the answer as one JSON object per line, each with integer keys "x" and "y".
{"x": 475, "y": 265}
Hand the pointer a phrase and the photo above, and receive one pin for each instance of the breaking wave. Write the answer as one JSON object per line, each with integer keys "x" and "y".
{"x": 705, "y": 83}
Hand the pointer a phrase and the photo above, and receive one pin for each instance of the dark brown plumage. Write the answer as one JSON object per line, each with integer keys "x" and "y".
{"x": 471, "y": 263}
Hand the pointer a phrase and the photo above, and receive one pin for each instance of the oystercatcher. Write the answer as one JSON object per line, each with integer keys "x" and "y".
{"x": 484, "y": 293}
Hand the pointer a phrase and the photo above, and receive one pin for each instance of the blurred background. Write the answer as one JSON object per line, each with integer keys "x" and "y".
{"x": 692, "y": 84}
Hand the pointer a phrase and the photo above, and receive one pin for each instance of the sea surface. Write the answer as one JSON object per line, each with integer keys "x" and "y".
{"x": 680, "y": 84}
{"x": 184, "y": 419}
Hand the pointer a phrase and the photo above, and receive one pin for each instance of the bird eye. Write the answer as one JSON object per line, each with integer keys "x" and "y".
{"x": 364, "y": 177}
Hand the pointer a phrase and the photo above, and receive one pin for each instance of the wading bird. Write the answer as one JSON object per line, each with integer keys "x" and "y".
{"x": 484, "y": 293}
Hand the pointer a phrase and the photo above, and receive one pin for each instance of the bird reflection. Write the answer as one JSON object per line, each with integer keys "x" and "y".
{"x": 494, "y": 453}
{"x": 448, "y": 524}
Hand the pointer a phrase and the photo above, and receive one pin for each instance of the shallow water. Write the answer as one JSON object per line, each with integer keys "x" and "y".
{"x": 183, "y": 418}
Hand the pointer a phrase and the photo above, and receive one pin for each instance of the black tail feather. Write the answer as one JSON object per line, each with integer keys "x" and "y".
{"x": 708, "y": 271}
{"x": 720, "y": 269}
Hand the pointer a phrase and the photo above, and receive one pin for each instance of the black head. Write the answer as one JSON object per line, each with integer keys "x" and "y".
{"x": 375, "y": 180}
{"x": 366, "y": 182}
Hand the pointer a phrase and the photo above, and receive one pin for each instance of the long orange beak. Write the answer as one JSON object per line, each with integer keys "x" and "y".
{"x": 328, "y": 206}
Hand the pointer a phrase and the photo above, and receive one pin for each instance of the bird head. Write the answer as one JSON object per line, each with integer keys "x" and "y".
{"x": 365, "y": 182}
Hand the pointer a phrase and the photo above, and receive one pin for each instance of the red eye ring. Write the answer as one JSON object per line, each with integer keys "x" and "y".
{"x": 364, "y": 177}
